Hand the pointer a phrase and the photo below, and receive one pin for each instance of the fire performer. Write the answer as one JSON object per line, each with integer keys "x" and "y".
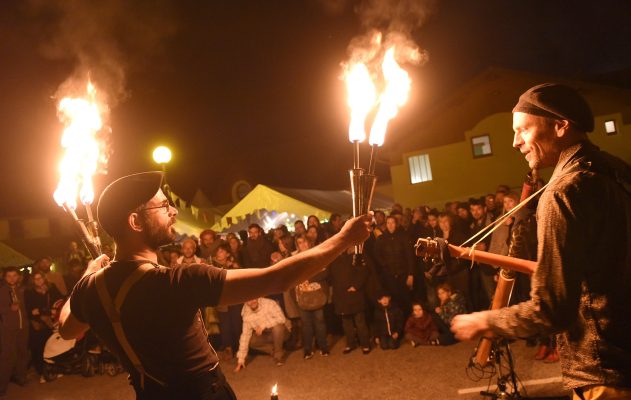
{"x": 581, "y": 288}
{"x": 149, "y": 314}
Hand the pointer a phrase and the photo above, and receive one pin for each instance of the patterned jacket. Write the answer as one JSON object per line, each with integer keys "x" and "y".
{"x": 582, "y": 287}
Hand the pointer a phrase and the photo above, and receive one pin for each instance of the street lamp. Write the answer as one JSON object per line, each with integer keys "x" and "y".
{"x": 162, "y": 156}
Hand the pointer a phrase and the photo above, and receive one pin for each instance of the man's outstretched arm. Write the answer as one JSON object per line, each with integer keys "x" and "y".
{"x": 246, "y": 284}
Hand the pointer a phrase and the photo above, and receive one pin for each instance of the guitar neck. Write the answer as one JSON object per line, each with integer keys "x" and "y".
{"x": 506, "y": 262}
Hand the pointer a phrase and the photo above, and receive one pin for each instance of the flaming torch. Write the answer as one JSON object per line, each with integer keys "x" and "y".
{"x": 361, "y": 100}
{"x": 82, "y": 119}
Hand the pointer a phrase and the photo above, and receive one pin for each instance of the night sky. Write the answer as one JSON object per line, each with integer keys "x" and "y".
{"x": 250, "y": 89}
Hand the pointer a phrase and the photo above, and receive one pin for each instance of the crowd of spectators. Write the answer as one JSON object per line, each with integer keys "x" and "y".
{"x": 379, "y": 299}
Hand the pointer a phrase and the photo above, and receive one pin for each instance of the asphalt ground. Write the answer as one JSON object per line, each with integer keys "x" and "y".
{"x": 424, "y": 372}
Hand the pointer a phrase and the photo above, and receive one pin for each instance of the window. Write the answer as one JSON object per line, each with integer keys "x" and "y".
{"x": 481, "y": 146}
{"x": 610, "y": 127}
{"x": 420, "y": 170}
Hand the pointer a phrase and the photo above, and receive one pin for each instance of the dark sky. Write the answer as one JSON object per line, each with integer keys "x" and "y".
{"x": 249, "y": 89}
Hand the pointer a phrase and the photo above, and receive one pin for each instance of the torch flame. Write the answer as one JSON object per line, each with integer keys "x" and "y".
{"x": 361, "y": 99}
{"x": 275, "y": 389}
{"x": 393, "y": 97}
{"x": 82, "y": 118}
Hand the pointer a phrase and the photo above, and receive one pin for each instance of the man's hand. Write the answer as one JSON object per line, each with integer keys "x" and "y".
{"x": 258, "y": 331}
{"x": 356, "y": 230}
{"x": 35, "y": 311}
{"x": 437, "y": 310}
{"x": 15, "y": 307}
{"x": 395, "y": 335}
{"x": 468, "y": 326}
{"x": 351, "y": 289}
{"x": 96, "y": 264}
{"x": 240, "y": 366}
{"x": 410, "y": 281}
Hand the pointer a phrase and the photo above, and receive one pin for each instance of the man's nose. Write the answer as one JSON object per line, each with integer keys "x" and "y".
{"x": 517, "y": 140}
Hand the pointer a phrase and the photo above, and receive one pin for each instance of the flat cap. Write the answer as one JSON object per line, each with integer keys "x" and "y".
{"x": 554, "y": 100}
{"x": 122, "y": 196}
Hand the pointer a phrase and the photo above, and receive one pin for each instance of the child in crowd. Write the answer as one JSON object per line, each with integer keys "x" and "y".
{"x": 451, "y": 304}
{"x": 387, "y": 324}
{"x": 420, "y": 328}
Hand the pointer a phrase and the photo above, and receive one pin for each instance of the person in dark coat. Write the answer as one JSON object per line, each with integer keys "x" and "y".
{"x": 258, "y": 249}
{"x": 349, "y": 283}
{"x": 388, "y": 323}
{"x": 395, "y": 255}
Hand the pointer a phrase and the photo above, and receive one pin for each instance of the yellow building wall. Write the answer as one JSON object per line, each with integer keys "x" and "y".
{"x": 457, "y": 175}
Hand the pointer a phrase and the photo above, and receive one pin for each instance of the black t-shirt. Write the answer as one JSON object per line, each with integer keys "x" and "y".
{"x": 160, "y": 317}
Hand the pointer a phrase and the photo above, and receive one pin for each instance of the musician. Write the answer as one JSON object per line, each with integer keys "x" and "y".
{"x": 149, "y": 314}
{"x": 582, "y": 286}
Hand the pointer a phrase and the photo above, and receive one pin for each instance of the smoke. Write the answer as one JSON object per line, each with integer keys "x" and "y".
{"x": 102, "y": 40}
{"x": 390, "y": 23}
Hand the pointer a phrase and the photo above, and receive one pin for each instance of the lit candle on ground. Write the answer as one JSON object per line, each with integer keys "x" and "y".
{"x": 274, "y": 392}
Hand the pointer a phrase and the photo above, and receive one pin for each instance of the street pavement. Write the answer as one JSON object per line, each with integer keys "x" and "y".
{"x": 424, "y": 372}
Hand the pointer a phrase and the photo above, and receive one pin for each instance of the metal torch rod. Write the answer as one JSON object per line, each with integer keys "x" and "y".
{"x": 371, "y": 165}
{"x": 87, "y": 238}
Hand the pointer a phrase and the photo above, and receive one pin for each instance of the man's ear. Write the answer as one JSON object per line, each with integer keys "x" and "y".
{"x": 134, "y": 222}
{"x": 561, "y": 127}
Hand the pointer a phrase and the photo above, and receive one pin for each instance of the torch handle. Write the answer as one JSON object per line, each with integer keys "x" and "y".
{"x": 90, "y": 243}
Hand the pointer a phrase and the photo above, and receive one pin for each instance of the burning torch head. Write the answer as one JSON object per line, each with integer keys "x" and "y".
{"x": 123, "y": 196}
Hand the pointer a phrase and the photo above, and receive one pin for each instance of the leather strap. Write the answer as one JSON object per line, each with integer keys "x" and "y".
{"x": 113, "y": 308}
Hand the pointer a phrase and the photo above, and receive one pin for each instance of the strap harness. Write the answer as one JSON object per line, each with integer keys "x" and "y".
{"x": 113, "y": 308}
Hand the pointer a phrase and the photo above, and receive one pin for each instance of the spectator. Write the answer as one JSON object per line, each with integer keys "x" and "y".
{"x": 433, "y": 230}
{"x": 174, "y": 256}
{"x": 208, "y": 243}
{"x": 264, "y": 326}
{"x": 380, "y": 223}
{"x": 464, "y": 220}
{"x": 189, "y": 247}
{"x": 458, "y": 270}
{"x": 313, "y": 235}
{"x": 75, "y": 272}
{"x": 235, "y": 248}
{"x": 396, "y": 258}
{"x": 39, "y": 299}
{"x": 299, "y": 227}
{"x": 258, "y": 249}
{"x": 311, "y": 297}
{"x": 43, "y": 265}
{"x": 286, "y": 249}
{"x": 349, "y": 295}
{"x": 420, "y": 328}
{"x": 74, "y": 253}
{"x": 387, "y": 323}
{"x": 334, "y": 225}
{"x": 315, "y": 222}
{"x": 13, "y": 331}
{"x": 451, "y": 304}
{"x": 480, "y": 273}
{"x": 229, "y": 316}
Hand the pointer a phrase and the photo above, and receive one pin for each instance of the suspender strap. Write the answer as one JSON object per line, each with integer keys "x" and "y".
{"x": 113, "y": 308}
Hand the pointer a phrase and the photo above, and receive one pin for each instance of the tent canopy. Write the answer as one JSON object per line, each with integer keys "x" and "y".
{"x": 296, "y": 203}
{"x": 10, "y": 257}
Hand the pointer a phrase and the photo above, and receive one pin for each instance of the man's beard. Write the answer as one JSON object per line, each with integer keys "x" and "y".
{"x": 156, "y": 235}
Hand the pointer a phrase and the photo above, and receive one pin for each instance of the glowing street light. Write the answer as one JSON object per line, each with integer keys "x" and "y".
{"x": 162, "y": 155}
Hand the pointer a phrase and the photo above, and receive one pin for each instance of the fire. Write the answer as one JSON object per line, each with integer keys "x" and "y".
{"x": 83, "y": 119}
{"x": 393, "y": 97}
{"x": 275, "y": 389}
{"x": 361, "y": 99}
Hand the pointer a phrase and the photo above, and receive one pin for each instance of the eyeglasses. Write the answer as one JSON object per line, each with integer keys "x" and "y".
{"x": 165, "y": 204}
